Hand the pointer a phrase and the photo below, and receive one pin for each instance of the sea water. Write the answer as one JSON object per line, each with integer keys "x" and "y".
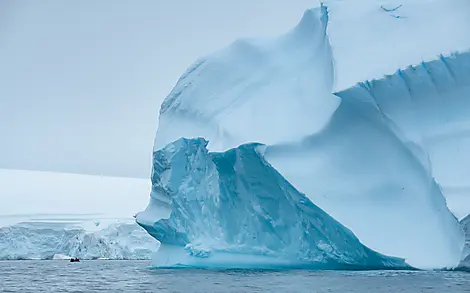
{"x": 138, "y": 276}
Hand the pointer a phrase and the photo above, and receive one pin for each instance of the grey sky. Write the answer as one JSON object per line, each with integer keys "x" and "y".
{"x": 81, "y": 82}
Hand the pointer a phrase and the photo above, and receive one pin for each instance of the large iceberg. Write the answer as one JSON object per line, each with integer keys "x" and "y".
{"x": 363, "y": 107}
{"x": 232, "y": 209}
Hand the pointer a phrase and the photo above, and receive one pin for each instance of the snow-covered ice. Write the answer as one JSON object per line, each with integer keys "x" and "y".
{"x": 363, "y": 108}
{"x": 233, "y": 209}
{"x": 44, "y": 213}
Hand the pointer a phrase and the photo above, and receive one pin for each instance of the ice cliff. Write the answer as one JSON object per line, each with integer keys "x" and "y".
{"x": 43, "y": 241}
{"x": 466, "y": 251}
{"x": 363, "y": 108}
{"x": 233, "y": 209}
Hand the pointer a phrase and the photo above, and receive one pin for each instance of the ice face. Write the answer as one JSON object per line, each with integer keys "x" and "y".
{"x": 379, "y": 155}
{"x": 466, "y": 251}
{"x": 233, "y": 209}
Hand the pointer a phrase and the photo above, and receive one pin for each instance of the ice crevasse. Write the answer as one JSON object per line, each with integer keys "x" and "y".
{"x": 364, "y": 120}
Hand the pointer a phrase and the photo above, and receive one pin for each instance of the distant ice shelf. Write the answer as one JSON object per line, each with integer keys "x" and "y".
{"x": 43, "y": 214}
{"x": 46, "y": 240}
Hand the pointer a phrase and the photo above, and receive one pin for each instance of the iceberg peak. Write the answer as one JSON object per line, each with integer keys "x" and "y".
{"x": 281, "y": 72}
{"x": 310, "y": 20}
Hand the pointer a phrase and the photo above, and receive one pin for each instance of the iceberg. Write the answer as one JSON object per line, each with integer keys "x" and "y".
{"x": 362, "y": 108}
{"x": 232, "y": 209}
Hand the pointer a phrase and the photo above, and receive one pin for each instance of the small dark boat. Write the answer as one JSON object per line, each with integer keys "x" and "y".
{"x": 75, "y": 259}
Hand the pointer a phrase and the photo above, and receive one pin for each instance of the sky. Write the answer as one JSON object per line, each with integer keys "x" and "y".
{"x": 81, "y": 82}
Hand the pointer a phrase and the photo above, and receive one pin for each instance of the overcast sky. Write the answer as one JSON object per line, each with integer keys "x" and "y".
{"x": 81, "y": 82}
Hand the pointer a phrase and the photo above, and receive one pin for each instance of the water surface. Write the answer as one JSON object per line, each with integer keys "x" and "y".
{"x": 137, "y": 276}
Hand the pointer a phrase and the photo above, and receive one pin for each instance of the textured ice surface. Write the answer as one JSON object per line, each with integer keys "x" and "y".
{"x": 233, "y": 209}
{"x": 44, "y": 213}
{"x": 46, "y": 240}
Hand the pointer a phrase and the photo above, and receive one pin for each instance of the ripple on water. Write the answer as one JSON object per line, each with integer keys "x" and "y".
{"x": 137, "y": 276}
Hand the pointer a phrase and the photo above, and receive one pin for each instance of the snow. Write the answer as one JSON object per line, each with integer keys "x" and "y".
{"x": 234, "y": 210}
{"x": 44, "y": 213}
{"x": 373, "y": 142}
